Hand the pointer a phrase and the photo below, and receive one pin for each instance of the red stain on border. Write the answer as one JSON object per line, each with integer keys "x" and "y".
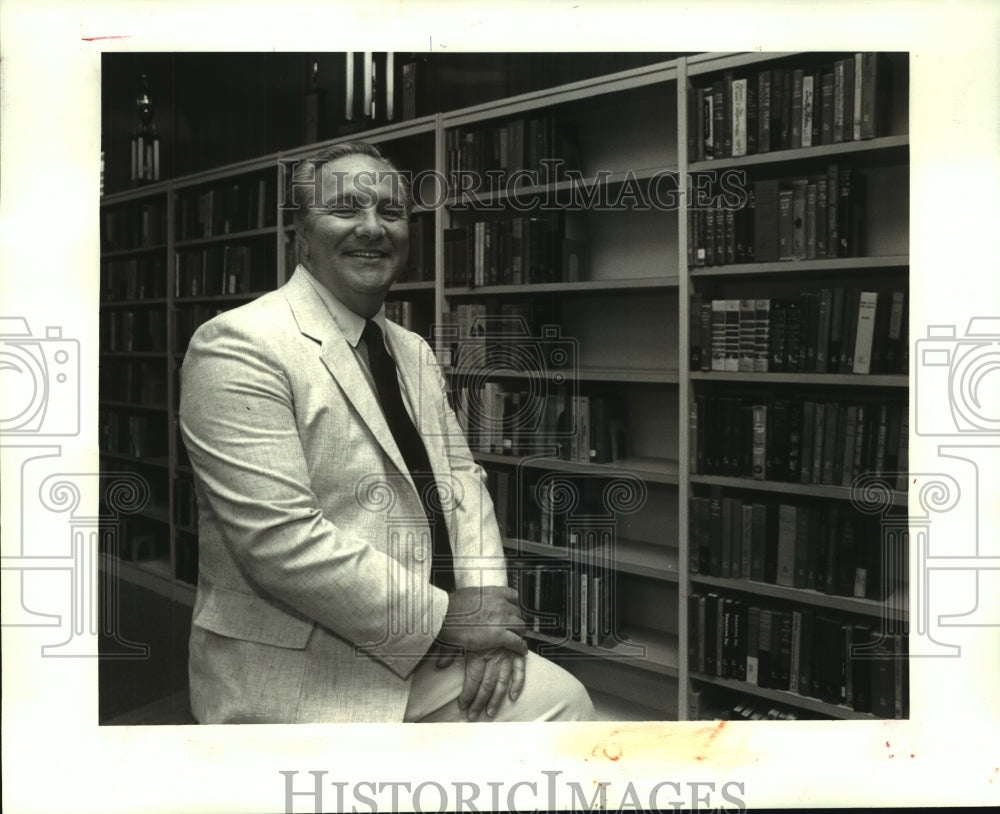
{"x": 107, "y": 37}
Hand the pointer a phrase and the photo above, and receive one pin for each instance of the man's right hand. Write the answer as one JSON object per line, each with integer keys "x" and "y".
{"x": 483, "y": 619}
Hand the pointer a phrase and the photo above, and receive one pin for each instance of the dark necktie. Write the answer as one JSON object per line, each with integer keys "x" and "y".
{"x": 411, "y": 445}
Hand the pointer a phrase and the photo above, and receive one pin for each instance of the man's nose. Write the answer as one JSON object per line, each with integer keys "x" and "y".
{"x": 369, "y": 224}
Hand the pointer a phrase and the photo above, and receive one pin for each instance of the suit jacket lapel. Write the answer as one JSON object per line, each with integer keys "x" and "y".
{"x": 315, "y": 321}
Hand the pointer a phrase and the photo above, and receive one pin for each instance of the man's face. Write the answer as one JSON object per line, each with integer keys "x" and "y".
{"x": 357, "y": 244}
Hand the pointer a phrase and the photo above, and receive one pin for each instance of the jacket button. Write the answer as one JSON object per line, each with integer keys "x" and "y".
{"x": 420, "y": 553}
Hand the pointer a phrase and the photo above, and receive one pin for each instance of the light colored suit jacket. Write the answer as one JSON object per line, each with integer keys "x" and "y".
{"x": 314, "y": 601}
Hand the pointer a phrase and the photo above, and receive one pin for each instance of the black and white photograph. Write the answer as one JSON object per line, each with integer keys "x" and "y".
{"x": 621, "y": 410}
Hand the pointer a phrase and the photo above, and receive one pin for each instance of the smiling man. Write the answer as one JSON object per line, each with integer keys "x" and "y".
{"x": 350, "y": 564}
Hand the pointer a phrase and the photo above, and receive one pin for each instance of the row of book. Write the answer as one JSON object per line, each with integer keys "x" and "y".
{"x": 136, "y": 226}
{"x": 826, "y": 548}
{"x": 798, "y": 440}
{"x": 811, "y": 217}
{"x": 140, "y": 436}
{"x": 129, "y": 330}
{"x": 134, "y": 278}
{"x": 811, "y": 653}
{"x": 504, "y": 420}
{"x": 530, "y": 507}
{"x": 832, "y": 330}
{"x": 503, "y": 149}
{"x": 420, "y": 265}
{"x": 522, "y": 336}
{"x": 703, "y": 706}
{"x": 228, "y": 269}
{"x": 135, "y": 382}
{"x": 228, "y": 208}
{"x": 566, "y": 600}
{"x": 515, "y": 251}
{"x": 843, "y": 100}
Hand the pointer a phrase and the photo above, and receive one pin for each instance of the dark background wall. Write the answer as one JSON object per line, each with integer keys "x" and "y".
{"x": 213, "y": 109}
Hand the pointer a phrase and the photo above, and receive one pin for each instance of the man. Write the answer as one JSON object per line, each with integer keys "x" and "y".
{"x": 324, "y": 481}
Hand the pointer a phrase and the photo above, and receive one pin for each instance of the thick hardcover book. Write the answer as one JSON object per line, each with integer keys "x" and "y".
{"x": 732, "y": 335}
{"x": 759, "y": 442}
{"x": 776, "y": 336}
{"x": 852, "y": 213}
{"x": 849, "y": 99}
{"x": 695, "y": 349}
{"x": 856, "y": 98}
{"x": 752, "y": 117}
{"x": 795, "y": 441}
{"x": 727, "y": 108}
{"x": 808, "y": 108}
{"x": 765, "y": 668}
{"x": 785, "y": 111}
{"x": 838, "y": 100}
{"x": 799, "y": 193}
{"x": 719, "y": 120}
{"x": 746, "y": 540}
{"x": 787, "y": 529}
{"x": 711, "y": 628}
{"x": 715, "y": 531}
{"x": 766, "y": 221}
{"x": 764, "y": 103}
{"x": 851, "y": 301}
{"x": 826, "y": 107}
{"x": 867, "y": 305}
{"x": 823, "y": 330}
{"x": 747, "y": 331}
{"x": 836, "y": 331}
{"x": 740, "y": 123}
{"x": 874, "y": 95}
{"x": 803, "y": 544}
{"x": 822, "y": 218}
{"x": 810, "y": 225}
{"x": 778, "y": 439}
{"x": 719, "y": 335}
{"x": 753, "y": 642}
{"x": 795, "y": 136}
{"x": 707, "y": 123}
{"x": 806, "y": 646}
{"x": 758, "y": 540}
{"x": 761, "y": 338}
{"x": 786, "y": 223}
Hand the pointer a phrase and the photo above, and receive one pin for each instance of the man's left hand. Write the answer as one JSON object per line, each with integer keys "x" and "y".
{"x": 490, "y": 676}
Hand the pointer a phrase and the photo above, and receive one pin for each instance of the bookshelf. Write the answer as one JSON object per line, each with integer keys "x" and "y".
{"x": 779, "y": 563}
{"x": 612, "y": 270}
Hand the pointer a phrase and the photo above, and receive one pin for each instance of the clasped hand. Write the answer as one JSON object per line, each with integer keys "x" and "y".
{"x": 484, "y": 624}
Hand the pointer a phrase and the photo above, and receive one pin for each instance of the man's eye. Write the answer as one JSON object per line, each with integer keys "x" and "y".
{"x": 394, "y": 212}
{"x": 343, "y": 210}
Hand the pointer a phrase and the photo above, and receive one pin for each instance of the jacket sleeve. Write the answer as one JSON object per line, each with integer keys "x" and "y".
{"x": 237, "y": 417}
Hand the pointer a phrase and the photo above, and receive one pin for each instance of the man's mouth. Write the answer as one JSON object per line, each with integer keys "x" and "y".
{"x": 366, "y": 254}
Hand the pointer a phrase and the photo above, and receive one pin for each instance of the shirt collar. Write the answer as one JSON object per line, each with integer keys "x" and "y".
{"x": 351, "y": 325}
